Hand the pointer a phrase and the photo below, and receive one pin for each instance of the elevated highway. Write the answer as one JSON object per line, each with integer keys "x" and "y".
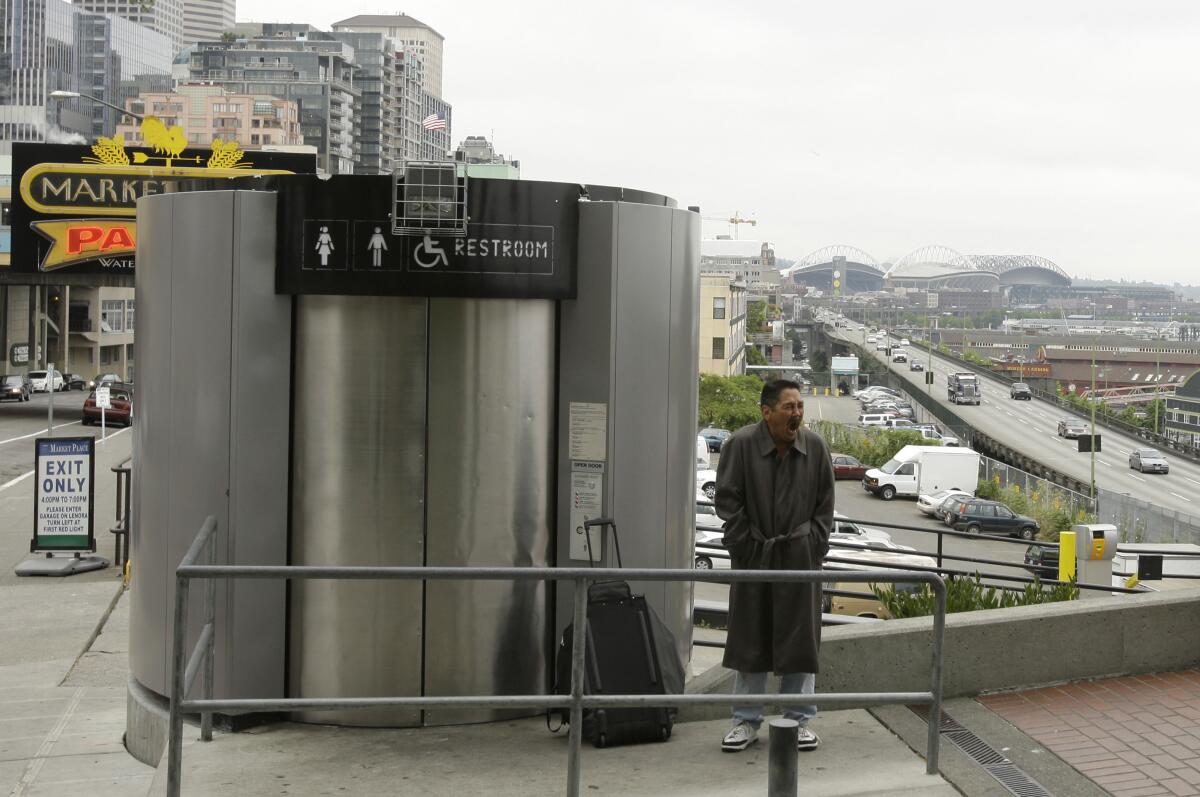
{"x": 1031, "y": 427}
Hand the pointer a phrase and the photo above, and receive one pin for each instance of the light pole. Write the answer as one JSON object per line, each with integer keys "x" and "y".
{"x": 1092, "y": 430}
{"x": 75, "y": 95}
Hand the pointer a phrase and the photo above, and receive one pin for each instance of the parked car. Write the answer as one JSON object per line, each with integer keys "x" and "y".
{"x": 845, "y": 531}
{"x": 915, "y": 365}
{"x": 1072, "y": 428}
{"x": 977, "y": 515}
{"x": 873, "y": 419}
{"x": 75, "y": 382}
{"x": 16, "y": 387}
{"x": 1042, "y": 562}
{"x": 706, "y": 516}
{"x": 714, "y": 437}
{"x": 706, "y": 482}
{"x": 710, "y": 550}
{"x": 899, "y": 423}
{"x": 102, "y": 378}
{"x": 847, "y": 467}
{"x": 1148, "y": 460}
{"x": 865, "y": 604}
{"x": 120, "y": 396}
{"x": 930, "y": 503}
{"x": 1020, "y": 390}
{"x": 44, "y": 382}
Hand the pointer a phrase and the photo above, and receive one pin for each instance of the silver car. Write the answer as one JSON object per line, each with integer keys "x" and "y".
{"x": 1148, "y": 460}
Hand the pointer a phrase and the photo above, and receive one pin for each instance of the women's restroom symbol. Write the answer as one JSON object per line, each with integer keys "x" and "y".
{"x": 324, "y": 245}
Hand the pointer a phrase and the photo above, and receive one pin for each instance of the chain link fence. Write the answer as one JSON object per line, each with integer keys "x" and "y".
{"x": 1141, "y": 521}
{"x": 993, "y": 470}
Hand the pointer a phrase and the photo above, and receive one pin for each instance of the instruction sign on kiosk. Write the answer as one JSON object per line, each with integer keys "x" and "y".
{"x": 63, "y": 494}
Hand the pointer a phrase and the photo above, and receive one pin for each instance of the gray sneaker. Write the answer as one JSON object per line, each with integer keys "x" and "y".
{"x": 807, "y": 740}
{"x": 740, "y": 737}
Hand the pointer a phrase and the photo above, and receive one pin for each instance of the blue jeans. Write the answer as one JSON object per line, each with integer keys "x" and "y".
{"x": 755, "y": 683}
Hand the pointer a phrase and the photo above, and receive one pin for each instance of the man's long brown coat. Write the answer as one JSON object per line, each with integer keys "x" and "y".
{"x": 778, "y": 516}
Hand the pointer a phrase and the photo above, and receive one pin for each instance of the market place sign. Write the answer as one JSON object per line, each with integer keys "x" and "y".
{"x": 75, "y": 206}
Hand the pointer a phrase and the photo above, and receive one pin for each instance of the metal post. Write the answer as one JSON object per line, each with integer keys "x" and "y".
{"x": 939, "y": 555}
{"x": 578, "y": 647}
{"x": 933, "y": 737}
{"x": 50, "y": 396}
{"x": 783, "y": 777}
{"x": 210, "y": 618}
{"x": 178, "y": 661}
{"x": 1092, "y": 431}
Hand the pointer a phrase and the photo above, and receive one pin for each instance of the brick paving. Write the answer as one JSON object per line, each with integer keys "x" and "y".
{"x": 1134, "y": 736}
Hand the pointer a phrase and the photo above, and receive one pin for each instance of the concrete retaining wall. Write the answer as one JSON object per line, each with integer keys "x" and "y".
{"x": 1003, "y": 648}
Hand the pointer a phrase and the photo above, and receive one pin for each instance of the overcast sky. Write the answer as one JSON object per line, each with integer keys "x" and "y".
{"x": 1063, "y": 129}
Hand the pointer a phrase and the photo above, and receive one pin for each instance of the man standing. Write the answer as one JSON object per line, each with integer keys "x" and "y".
{"x": 775, "y": 493}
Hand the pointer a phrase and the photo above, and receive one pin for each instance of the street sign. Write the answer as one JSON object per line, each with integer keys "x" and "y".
{"x": 102, "y": 398}
{"x": 62, "y": 495}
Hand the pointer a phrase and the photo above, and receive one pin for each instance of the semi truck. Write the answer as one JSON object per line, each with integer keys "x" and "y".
{"x": 922, "y": 470}
{"x": 962, "y": 388}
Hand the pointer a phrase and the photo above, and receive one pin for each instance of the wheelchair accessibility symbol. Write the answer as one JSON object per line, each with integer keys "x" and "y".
{"x": 429, "y": 254}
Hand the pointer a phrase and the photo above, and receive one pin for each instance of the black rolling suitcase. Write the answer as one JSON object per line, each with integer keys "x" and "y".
{"x": 629, "y": 651}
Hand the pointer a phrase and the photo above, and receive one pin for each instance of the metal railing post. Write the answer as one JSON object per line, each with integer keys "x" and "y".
{"x": 210, "y": 619}
{"x": 783, "y": 772}
{"x": 178, "y": 660}
{"x": 578, "y": 648}
{"x": 933, "y": 738}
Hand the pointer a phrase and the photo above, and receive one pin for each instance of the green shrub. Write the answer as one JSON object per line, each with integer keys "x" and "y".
{"x": 869, "y": 446}
{"x": 968, "y": 594}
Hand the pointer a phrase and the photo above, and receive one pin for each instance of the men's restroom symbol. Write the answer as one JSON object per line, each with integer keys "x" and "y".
{"x": 377, "y": 246}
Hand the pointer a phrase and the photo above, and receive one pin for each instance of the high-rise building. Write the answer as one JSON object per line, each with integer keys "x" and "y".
{"x": 207, "y": 20}
{"x": 299, "y": 63}
{"x": 52, "y": 45}
{"x": 161, "y": 16}
{"x": 411, "y": 34}
{"x": 423, "y": 115}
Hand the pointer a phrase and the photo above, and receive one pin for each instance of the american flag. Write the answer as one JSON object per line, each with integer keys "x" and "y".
{"x": 435, "y": 121}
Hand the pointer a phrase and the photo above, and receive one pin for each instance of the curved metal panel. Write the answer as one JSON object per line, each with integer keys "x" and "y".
{"x": 491, "y": 466}
{"x": 357, "y": 486}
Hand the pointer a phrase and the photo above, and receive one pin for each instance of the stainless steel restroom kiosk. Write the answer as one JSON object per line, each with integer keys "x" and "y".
{"x": 336, "y": 390}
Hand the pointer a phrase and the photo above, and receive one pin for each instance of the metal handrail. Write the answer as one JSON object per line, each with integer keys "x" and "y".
{"x": 185, "y": 668}
{"x": 121, "y": 529}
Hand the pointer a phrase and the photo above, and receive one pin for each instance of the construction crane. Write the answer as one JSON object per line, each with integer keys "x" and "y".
{"x": 736, "y": 219}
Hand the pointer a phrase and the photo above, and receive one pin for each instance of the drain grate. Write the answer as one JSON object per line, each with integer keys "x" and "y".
{"x": 1006, "y": 773}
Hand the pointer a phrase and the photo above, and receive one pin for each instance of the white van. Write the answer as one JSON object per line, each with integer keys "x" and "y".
{"x": 874, "y": 419}
{"x": 702, "y": 460}
{"x": 917, "y": 470}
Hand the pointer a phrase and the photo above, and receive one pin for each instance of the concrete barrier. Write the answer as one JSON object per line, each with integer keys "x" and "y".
{"x": 999, "y": 649}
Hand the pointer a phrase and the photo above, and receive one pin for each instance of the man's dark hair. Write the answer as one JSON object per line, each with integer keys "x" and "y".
{"x": 772, "y": 389}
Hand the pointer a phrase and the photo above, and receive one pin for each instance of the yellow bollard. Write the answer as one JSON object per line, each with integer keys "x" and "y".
{"x": 1066, "y": 555}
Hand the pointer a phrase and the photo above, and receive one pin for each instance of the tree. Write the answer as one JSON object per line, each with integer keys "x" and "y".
{"x": 755, "y": 357}
{"x": 756, "y": 317}
{"x": 729, "y": 402}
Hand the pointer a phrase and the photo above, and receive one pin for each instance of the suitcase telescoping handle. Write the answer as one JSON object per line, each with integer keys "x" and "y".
{"x": 587, "y": 532}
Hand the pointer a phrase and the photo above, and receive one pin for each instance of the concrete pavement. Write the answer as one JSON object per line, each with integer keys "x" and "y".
{"x": 63, "y": 660}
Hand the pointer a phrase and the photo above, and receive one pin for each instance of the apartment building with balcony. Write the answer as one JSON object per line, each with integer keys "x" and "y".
{"x": 722, "y": 325}
{"x": 207, "y": 112}
{"x": 100, "y": 324}
{"x": 300, "y": 64}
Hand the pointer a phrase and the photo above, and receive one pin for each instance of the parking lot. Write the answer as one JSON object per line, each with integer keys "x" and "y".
{"x": 857, "y": 504}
